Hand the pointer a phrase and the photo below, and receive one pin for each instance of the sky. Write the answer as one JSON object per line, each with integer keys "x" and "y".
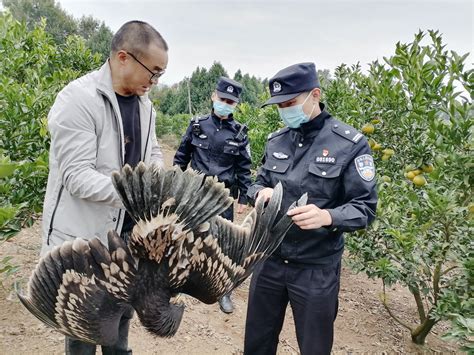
{"x": 263, "y": 36}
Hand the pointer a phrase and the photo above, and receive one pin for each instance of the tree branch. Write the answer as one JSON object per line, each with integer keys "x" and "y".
{"x": 436, "y": 277}
{"x": 448, "y": 270}
{"x": 419, "y": 303}
{"x": 395, "y": 318}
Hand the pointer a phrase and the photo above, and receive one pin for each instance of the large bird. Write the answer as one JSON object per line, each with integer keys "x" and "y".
{"x": 179, "y": 244}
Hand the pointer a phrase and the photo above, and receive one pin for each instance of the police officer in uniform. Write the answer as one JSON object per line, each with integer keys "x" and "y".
{"x": 217, "y": 145}
{"x": 319, "y": 155}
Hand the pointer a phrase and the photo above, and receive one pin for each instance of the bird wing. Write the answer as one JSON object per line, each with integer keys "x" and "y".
{"x": 221, "y": 258}
{"x": 81, "y": 288}
{"x": 177, "y": 223}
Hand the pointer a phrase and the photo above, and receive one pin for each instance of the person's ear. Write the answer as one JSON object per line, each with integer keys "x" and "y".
{"x": 316, "y": 94}
{"x": 121, "y": 56}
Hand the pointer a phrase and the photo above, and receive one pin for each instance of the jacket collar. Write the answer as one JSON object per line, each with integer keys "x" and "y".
{"x": 312, "y": 127}
{"x": 105, "y": 86}
{"x": 216, "y": 119}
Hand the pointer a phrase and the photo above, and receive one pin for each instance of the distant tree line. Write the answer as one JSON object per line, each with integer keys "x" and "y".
{"x": 60, "y": 24}
{"x": 192, "y": 95}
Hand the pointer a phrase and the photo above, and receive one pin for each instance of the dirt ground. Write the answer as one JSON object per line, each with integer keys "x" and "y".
{"x": 362, "y": 326}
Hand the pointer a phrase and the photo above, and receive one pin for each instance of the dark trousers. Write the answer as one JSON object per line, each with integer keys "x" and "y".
{"x": 228, "y": 214}
{"x": 77, "y": 347}
{"x": 313, "y": 296}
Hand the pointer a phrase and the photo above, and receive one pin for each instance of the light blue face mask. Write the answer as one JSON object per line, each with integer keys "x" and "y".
{"x": 294, "y": 116}
{"x": 222, "y": 109}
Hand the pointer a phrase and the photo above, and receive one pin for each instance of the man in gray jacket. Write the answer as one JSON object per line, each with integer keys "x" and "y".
{"x": 99, "y": 123}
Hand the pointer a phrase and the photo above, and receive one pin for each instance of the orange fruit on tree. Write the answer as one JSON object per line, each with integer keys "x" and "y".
{"x": 368, "y": 128}
{"x": 419, "y": 180}
{"x": 427, "y": 168}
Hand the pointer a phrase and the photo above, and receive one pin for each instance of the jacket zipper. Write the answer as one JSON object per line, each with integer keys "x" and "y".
{"x": 120, "y": 139}
{"x": 54, "y": 213}
{"x": 148, "y": 135}
{"x": 118, "y": 219}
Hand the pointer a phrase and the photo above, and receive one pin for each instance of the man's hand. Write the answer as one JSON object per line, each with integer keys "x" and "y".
{"x": 265, "y": 194}
{"x": 240, "y": 208}
{"x": 310, "y": 217}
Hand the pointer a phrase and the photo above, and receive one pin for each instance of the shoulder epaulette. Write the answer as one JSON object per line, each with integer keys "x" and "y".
{"x": 278, "y": 133}
{"x": 241, "y": 126}
{"x": 199, "y": 118}
{"x": 346, "y": 131}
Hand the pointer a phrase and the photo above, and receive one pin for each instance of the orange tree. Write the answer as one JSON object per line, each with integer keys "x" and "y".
{"x": 32, "y": 70}
{"x": 416, "y": 110}
{"x": 260, "y": 122}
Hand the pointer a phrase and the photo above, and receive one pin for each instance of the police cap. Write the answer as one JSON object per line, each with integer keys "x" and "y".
{"x": 228, "y": 89}
{"x": 292, "y": 81}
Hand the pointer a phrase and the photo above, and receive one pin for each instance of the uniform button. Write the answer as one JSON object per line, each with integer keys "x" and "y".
{"x": 217, "y": 130}
{"x": 114, "y": 219}
{"x": 300, "y": 144}
{"x": 274, "y": 167}
{"x": 323, "y": 173}
{"x": 200, "y": 144}
{"x": 335, "y": 126}
{"x": 285, "y": 261}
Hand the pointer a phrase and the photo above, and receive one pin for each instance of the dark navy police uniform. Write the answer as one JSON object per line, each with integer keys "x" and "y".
{"x": 331, "y": 162}
{"x": 219, "y": 147}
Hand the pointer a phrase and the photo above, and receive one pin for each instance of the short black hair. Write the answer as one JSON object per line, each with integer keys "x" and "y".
{"x": 136, "y": 36}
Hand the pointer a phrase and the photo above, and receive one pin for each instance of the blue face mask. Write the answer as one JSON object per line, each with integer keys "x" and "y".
{"x": 222, "y": 109}
{"x": 294, "y": 116}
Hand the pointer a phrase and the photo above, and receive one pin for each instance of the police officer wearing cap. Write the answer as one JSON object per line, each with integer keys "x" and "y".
{"x": 331, "y": 161}
{"x": 218, "y": 145}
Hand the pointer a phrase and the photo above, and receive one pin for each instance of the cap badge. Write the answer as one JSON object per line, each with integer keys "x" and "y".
{"x": 280, "y": 155}
{"x": 230, "y": 89}
{"x": 276, "y": 86}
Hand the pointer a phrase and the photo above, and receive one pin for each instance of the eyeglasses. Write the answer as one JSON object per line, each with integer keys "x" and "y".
{"x": 154, "y": 75}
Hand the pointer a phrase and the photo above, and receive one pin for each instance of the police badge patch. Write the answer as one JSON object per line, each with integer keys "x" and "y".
{"x": 365, "y": 167}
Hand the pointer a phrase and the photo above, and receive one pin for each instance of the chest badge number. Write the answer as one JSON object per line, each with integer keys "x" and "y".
{"x": 365, "y": 167}
{"x": 280, "y": 155}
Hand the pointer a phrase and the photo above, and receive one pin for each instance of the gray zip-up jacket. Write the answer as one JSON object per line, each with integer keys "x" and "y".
{"x": 87, "y": 145}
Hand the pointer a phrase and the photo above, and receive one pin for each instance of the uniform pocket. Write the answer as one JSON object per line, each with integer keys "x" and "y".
{"x": 326, "y": 171}
{"x": 232, "y": 150}
{"x": 324, "y": 180}
{"x": 276, "y": 166}
{"x": 200, "y": 143}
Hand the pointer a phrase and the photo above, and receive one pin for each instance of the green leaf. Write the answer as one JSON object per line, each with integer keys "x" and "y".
{"x": 7, "y": 169}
